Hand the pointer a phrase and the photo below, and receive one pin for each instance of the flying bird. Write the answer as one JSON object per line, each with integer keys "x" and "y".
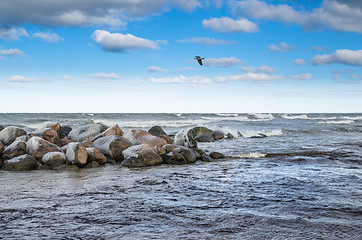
{"x": 199, "y": 59}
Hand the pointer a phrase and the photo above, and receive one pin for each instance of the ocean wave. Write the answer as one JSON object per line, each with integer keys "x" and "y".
{"x": 288, "y": 116}
{"x": 353, "y": 118}
{"x": 338, "y": 122}
{"x": 227, "y": 114}
{"x": 264, "y": 116}
{"x": 268, "y": 133}
{"x": 150, "y": 123}
{"x": 250, "y": 155}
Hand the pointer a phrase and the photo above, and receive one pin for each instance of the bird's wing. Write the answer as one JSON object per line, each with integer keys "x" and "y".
{"x": 200, "y": 61}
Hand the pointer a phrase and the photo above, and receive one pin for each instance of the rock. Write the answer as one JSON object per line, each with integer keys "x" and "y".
{"x": 260, "y": 135}
{"x": 140, "y": 156}
{"x": 229, "y": 136}
{"x": 64, "y": 131}
{"x": 217, "y": 135}
{"x": 87, "y": 144}
{"x": 15, "y": 149}
{"x": 217, "y": 155}
{"x": 159, "y": 132}
{"x": 240, "y": 134}
{"x": 64, "y": 142}
{"x": 23, "y": 138}
{"x": 86, "y": 133}
{"x": 92, "y": 164}
{"x": 200, "y": 130}
{"x": 54, "y": 159}
{"x": 38, "y": 147}
{"x": 138, "y": 136}
{"x": 1, "y": 127}
{"x": 76, "y": 154}
{"x": 204, "y": 138}
{"x": 112, "y": 146}
{"x": 21, "y": 163}
{"x": 48, "y": 134}
{"x": 9, "y": 134}
{"x": 53, "y": 125}
{"x": 2, "y": 147}
{"x": 94, "y": 155}
{"x": 185, "y": 139}
{"x": 179, "y": 154}
{"x": 115, "y": 130}
{"x": 206, "y": 158}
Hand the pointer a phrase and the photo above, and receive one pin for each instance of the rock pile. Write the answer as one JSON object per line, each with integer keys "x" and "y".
{"x": 58, "y": 147}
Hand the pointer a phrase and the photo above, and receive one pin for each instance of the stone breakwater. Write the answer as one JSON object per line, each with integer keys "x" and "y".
{"x": 54, "y": 146}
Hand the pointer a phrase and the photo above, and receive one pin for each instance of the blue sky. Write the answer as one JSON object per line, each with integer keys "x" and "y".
{"x": 137, "y": 56}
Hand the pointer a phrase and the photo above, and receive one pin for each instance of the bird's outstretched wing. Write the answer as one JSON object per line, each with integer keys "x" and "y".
{"x": 200, "y": 61}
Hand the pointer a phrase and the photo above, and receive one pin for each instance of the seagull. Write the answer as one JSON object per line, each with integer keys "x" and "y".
{"x": 199, "y": 59}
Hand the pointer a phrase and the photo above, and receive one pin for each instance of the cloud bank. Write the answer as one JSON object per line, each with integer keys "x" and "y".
{"x": 229, "y": 25}
{"x": 343, "y": 56}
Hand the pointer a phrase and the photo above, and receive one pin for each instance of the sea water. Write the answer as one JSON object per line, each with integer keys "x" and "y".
{"x": 302, "y": 181}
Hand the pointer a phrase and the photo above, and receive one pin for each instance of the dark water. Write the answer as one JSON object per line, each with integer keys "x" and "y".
{"x": 303, "y": 181}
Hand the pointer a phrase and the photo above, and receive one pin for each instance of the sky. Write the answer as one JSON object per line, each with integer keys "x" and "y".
{"x": 138, "y": 56}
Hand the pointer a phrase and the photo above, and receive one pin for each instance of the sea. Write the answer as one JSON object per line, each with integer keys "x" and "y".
{"x": 285, "y": 176}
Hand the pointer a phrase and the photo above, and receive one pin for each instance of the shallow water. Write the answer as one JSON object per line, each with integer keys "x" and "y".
{"x": 303, "y": 181}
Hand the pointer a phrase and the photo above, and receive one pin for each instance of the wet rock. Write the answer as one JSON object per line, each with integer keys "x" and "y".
{"x": 115, "y": 130}
{"x": 204, "y": 138}
{"x": 23, "y": 138}
{"x": 206, "y": 158}
{"x": 179, "y": 154}
{"x": 38, "y": 147}
{"x": 21, "y": 163}
{"x": 112, "y": 146}
{"x": 159, "y": 132}
{"x": 2, "y": 147}
{"x": 140, "y": 156}
{"x": 217, "y": 135}
{"x": 15, "y": 149}
{"x": 86, "y": 133}
{"x": 260, "y": 135}
{"x": 53, "y": 125}
{"x": 76, "y": 154}
{"x": 48, "y": 134}
{"x": 229, "y": 136}
{"x": 9, "y": 134}
{"x": 94, "y": 155}
{"x": 64, "y": 131}
{"x": 53, "y": 159}
{"x": 87, "y": 144}
{"x": 217, "y": 155}
{"x": 240, "y": 134}
{"x": 1, "y": 127}
{"x": 185, "y": 139}
{"x": 92, "y": 164}
{"x": 64, "y": 142}
{"x": 200, "y": 130}
{"x": 138, "y": 136}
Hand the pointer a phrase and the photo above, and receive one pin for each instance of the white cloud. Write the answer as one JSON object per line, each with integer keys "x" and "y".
{"x": 281, "y": 47}
{"x": 299, "y": 61}
{"x": 66, "y": 77}
{"x": 48, "y": 37}
{"x": 260, "y": 69}
{"x": 18, "y": 78}
{"x": 355, "y": 77}
{"x": 102, "y": 76}
{"x": 13, "y": 33}
{"x": 305, "y": 76}
{"x": 207, "y": 41}
{"x": 182, "y": 79}
{"x": 11, "y": 52}
{"x": 156, "y": 69}
{"x": 341, "y": 15}
{"x": 319, "y": 48}
{"x": 117, "y": 42}
{"x": 187, "y": 5}
{"x": 250, "y": 77}
{"x": 229, "y": 25}
{"x": 222, "y": 62}
{"x": 343, "y": 56}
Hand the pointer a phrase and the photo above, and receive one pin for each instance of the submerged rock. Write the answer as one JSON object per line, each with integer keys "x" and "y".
{"x": 138, "y": 136}
{"x": 15, "y": 149}
{"x": 112, "y": 146}
{"x": 38, "y": 147}
{"x": 9, "y": 134}
{"x": 185, "y": 139}
{"x": 140, "y": 156}
{"x": 86, "y": 133}
{"x": 53, "y": 159}
{"x": 217, "y": 135}
{"x": 217, "y": 155}
{"x": 21, "y": 163}
{"x": 179, "y": 154}
{"x": 94, "y": 155}
{"x": 76, "y": 154}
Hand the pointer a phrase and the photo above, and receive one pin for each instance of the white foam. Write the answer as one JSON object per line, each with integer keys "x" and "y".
{"x": 353, "y": 118}
{"x": 268, "y": 133}
{"x": 227, "y": 114}
{"x": 250, "y": 155}
{"x": 288, "y": 116}
{"x": 338, "y": 122}
{"x": 264, "y": 116}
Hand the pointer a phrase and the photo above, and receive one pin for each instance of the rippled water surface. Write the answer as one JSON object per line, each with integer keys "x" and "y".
{"x": 302, "y": 181}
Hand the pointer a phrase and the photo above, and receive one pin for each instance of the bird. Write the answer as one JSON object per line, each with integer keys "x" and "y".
{"x": 199, "y": 59}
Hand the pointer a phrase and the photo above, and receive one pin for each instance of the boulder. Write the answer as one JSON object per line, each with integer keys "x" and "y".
{"x": 15, "y": 149}
{"x": 159, "y": 132}
{"x": 260, "y": 135}
{"x": 9, "y": 134}
{"x": 229, "y": 136}
{"x": 200, "y": 130}
{"x": 64, "y": 131}
{"x": 140, "y": 156}
{"x": 38, "y": 147}
{"x": 138, "y": 136}
{"x": 217, "y": 135}
{"x": 64, "y": 142}
{"x": 53, "y": 159}
{"x": 86, "y": 133}
{"x": 115, "y": 130}
{"x": 112, "y": 146}
{"x": 179, "y": 154}
{"x": 21, "y": 163}
{"x": 94, "y": 155}
{"x": 76, "y": 154}
{"x": 23, "y": 138}
{"x": 185, "y": 139}
{"x": 48, "y": 134}
{"x": 217, "y": 155}
{"x": 1, "y": 127}
{"x": 53, "y": 125}
{"x": 203, "y": 137}
{"x": 2, "y": 147}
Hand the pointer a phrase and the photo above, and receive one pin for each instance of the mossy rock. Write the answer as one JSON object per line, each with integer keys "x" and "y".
{"x": 200, "y": 130}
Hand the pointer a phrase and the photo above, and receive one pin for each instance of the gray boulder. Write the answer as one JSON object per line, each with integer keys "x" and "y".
{"x": 204, "y": 138}
{"x": 179, "y": 155}
{"x": 86, "y": 133}
{"x": 185, "y": 139}
{"x": 112, "y": 146}
{"x": 9, "y": 134}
